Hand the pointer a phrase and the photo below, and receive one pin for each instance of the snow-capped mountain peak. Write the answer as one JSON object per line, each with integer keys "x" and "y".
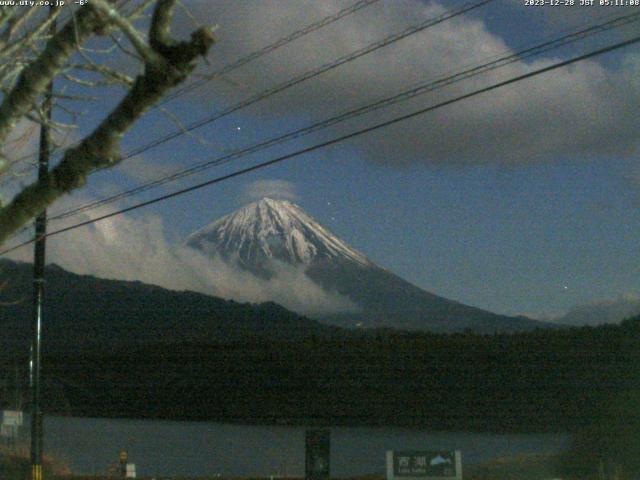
{"x": 279, "y": 230}
{"x": 272, "y": 229}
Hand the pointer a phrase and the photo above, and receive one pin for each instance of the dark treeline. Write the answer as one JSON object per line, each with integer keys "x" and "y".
{"x": 547, "y": 380}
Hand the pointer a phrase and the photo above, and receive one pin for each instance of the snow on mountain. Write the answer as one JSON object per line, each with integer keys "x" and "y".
{"x": 279, "y": 230}
{"x": 272, "y": 229}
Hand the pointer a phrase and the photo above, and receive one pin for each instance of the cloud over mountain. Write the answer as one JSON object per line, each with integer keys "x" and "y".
{"x": 130, "y": 248}
{"x": 274, "y": 188}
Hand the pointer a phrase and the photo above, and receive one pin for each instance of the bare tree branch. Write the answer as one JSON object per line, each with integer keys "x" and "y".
{"x": 112, "y": 75}
{"x": 27, "y": 41}
{"x": 148, "y": 53}
{"x": 159, "y": 33}
{"x": 139, "y": 10}
{"x": 34, "y": 78}
{"x": 118, "y": 43}
{"x": 171, "y": 63}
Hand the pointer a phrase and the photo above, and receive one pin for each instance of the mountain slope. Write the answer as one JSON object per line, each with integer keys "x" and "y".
{"x": 85, "y": 312}
{"x": 390, "y": 301}
{"x": 268, "y": 231}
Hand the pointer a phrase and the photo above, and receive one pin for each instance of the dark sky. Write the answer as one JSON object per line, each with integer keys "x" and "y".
{"x": 521, "y": 200}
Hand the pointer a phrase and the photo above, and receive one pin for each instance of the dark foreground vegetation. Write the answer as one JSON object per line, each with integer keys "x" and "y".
{"x": 580, "y": 380}
{"x": 543, "y": 381}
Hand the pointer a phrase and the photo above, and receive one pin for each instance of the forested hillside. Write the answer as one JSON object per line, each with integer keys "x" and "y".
{"x": 549, "y": 380}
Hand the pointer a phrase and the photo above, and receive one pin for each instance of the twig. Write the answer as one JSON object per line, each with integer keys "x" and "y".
{"x": 101, "y": 147}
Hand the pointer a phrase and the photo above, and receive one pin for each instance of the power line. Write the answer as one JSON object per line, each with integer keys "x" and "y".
{"x": 339, "y": 139}
{"x": 309, "y": 75}
{"x": 385, "y": 102}
{"x": 359, "y": 5}
{"x": 271, "y": 48}
{"x": 305, "y": 76}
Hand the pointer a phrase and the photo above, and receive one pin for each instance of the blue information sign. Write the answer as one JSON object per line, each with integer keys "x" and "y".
{"x": 423, "y": 465}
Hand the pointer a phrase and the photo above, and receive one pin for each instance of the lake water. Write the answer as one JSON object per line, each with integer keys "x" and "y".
{"x": 163, "y": 448}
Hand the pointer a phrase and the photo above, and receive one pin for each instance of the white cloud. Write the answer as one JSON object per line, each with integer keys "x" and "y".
{"x": 278, "y": 189}
{"x": 289, "y": 286}
{"x": 143, "y": 169}
{"x": 604, "y": 311}
{"x": 126, "y": 248}
{"x": 21, "y": 151}
{"x": 583, "y": 111}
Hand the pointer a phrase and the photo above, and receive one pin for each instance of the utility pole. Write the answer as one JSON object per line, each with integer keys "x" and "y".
{"x": 17, "y": 385}
{"x": 38, "y": 286}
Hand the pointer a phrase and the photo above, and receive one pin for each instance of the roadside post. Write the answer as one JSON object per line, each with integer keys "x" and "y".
{"x": 317, "y": 454}
{"x": 123, "y": 463}
{"x": 424, "y": 465}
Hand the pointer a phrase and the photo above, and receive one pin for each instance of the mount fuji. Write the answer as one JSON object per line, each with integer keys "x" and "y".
{"x": 264, "y": 234}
